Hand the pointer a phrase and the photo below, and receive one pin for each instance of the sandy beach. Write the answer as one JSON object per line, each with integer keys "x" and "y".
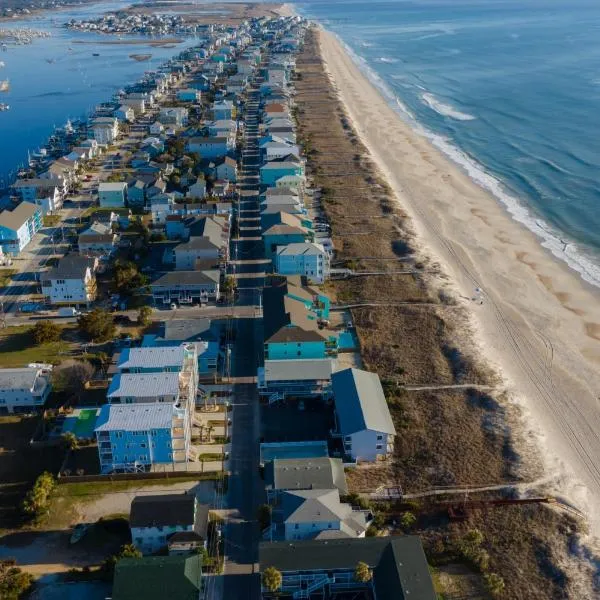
{"x": 539, "y": 324}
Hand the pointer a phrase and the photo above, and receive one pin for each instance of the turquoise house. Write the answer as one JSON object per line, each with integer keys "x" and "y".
{"x": 292, "y": 325}
{"x": 272, "y": 171}
{"x": 283, "y": 229}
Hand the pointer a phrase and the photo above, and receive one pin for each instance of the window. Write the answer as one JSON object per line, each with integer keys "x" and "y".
{"x": 296, "y": 526}
{"x": 119, "y": 434}
{"x": 379, "y": 438}
{"x": 379, "y": 447}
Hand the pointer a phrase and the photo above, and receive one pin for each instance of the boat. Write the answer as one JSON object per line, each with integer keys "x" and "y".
{"x": 4, "y": 85}
{"x": 78, "y": 532}
{"x": 4, "y": 107}
{"x": 2, "y": 64}
{"x": 95, "y": 54}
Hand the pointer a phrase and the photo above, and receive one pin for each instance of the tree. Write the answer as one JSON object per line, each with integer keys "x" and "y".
{"x": 38, "y": 497}
{"x": 45, "y": 332}
{"x": 362, "y": 572}
{"x": 494, "y": 584}
{"x": 144, "y": 314}
{"x": 264, "y": 515}
{"x": 127, "y": 278}
{"x": 98, "y": 325}
{"x": 14, "y": 583}
{"x": 72, "y": 375}
{"x": 407, "y": 520}
{"x": 229, "y": 286}
{"x": 70, "y": 440}
{"x": 272, "y": 579}
{"x": 126, "y": 551}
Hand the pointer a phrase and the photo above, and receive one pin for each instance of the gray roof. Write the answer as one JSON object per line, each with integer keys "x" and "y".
{"x": 400, "y": 570}
{"x": 13, "y": 219}
{"x": 300, "y": 248}
{"x": 135, "y": 417}
{"x": 306, "y": 473}
{"x": 142, "y": 385}
{"x": 360, "y": 402}
{"x": 186, "y": 329}
{"x": 173, "y": 278}
{"x": 302, "y": 369}
{"x": 166, "y": 510}
{"x": 151, "y": 358}
{"x": 18, "y": 379}
{"x": 72, "y": 266}
{"x": 112, "y": 186}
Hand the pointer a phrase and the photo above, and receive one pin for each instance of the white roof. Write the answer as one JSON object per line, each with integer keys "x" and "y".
{"x": 143, "y": 385}
{"x": 151, "y": 358}
{"x": 135, "y": 417}
{"x": 300, "y": 248}
{"x": 109, "y": 186}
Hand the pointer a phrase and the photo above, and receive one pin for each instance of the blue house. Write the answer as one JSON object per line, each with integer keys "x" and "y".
{"x": 18, "y": 226}
{"x": 134, "y": 437}
{"x": 288, "y": 229}
{"x": 136, "y": 193}
{"x": 291, "y": 330}
{"x": 155, "y": 360}
{"x": 112, "y": 194}
{"x": 223, "y": 110}
{"x": 272, "y": 171}
{"x": 188, "y": 95}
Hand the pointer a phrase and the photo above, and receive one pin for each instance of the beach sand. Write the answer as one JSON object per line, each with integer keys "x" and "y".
{"x": 539, "y": 324}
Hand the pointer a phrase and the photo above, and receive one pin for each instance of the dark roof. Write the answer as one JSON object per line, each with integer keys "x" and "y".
{"x": 305, "y": 474}
{"x": 187, "y": 278}
{"x": 162, "y": 510}
{"x": 186, "y": 330}
{"x": 157, "y": 578}
{"x": 286, "y": 319}
{"x": 72, "y": 266}
{"x": 400, "y": 570}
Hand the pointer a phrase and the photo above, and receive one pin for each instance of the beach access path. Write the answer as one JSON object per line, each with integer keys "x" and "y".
{"x": 538, "y": 323}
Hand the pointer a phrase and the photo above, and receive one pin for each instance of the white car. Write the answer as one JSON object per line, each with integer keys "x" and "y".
{"x": 173, "y": 306}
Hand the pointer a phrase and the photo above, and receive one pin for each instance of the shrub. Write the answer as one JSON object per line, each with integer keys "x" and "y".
{"x": 45, "y": 332}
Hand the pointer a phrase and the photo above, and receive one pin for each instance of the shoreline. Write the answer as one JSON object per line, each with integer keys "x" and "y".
{"x": 539, "y": 325}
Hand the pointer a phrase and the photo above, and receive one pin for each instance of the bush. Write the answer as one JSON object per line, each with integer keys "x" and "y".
{"x": 37, "y": 499}
{"x": 45, "y": 332}
{"x": 494, "y": 584}
{"x": 98, "y": 325}
{"x": 272, "y": 579}
{"x": 144, "y": 314}
{"x": 126, "y": 551}
{"x": 14, "y": 583}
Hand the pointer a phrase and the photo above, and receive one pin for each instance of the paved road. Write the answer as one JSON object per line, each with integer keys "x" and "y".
{"x": 246, "y": 489}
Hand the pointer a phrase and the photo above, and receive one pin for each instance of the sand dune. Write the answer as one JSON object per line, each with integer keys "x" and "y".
{"x": 539, "y": 323}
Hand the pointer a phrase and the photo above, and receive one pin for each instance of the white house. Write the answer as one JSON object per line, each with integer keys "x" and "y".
{"x": 156, "y": 128}
{"x": 174, "y": 521}
{"x": 71, "y": 282}
{"x": 307, "y": 514}
{"x": 363, "y": 418}
{"x": 306, "y": 258}
{"x": 125, "y": 113}
{"x": 177, "y": 116}
{"x": 99, "y": 239}
{"x": 105, "y": 130}
{"x": 45, "y": 193}
{"x": 18, "y": 226}
{"x": 23, "y": 390}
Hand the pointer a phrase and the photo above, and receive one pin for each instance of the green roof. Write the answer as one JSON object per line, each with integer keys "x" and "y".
{"x": 158, "y": 577}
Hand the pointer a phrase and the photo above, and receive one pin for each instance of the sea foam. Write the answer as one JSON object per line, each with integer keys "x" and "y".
{"x": 565, "y": 250}
{"x": 445, "y": 109}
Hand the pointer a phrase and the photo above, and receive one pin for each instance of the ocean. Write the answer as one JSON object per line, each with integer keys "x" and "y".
{"x": 57, "y": 78}
{"x": 510, "y": 90}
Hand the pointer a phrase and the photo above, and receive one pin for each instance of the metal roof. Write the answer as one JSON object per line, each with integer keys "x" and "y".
{"x": 18, "y": 379}
{"x": 302, "y": 369}
{"x": 302, "y": 473}
{"x": 118, "y": 186}
{"x": 143, "y": 385}
{"x": 179, "y": 278}
{"x": 135, "y": 417}
{"x": 151, "y": 358}
{"x": 360, "y": 402}
{"x": 300, "y": 248}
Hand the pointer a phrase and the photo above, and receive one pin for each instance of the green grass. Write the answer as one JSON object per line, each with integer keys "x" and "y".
{"x": 51, "y": 220}
{"x": 17, "y": 347}
{"x": 6, "y": 276}
{"x": 207, "y": 457}
{"x": 98, "y": 209}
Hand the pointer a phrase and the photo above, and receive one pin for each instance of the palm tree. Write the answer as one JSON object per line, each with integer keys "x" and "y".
{"x": 362, "y": 572}
{"x": 272, "y": 579}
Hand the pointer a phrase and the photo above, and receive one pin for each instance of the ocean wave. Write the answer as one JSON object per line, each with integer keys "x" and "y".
{"x": 387, "y": 60}
{"x": 566, "y": 250}
{"x": 445, "y": 109}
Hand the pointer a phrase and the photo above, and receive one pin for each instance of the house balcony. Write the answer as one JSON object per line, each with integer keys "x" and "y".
{"x": 179, "y": 456}
{"x": 178, "y": 445}
{"x": 178, "y": 432}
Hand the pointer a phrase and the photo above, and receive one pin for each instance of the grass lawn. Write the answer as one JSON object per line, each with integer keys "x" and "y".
{"x": 17, "y": 347}
{"x": 98, "y": 209}
{"x": 51, "y": 220}
{"x": 6, "y": 275}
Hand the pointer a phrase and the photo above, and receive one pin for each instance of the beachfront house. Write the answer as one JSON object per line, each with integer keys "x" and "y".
{"x": 23, "y": 390}
{"x": 288, "y": 230}
{"x": 138, "y": 437}
{"x": 72, "y": 282}
{"x": 177, "y": 522}
{"x": 308, "y": 259}
{"x": 112, "y": 194}
{"x": 18, "y": 226}
{"x": 363, "y": 420}
{"x": 271, "y": 171}
{"x": 158, "y": 577}
{"x": 311, "y": 513}
{"x": 326, "y": 567}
